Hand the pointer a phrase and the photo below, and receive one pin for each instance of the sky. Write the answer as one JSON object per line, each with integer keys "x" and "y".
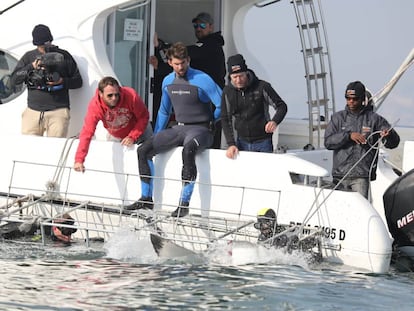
{"x": 368, "y": 40}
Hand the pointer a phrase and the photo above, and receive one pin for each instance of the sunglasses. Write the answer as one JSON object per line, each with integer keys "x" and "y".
{"x": 201, "y": 25}
{"x": 112, "y": 95}
{"x": 352, "y": 98}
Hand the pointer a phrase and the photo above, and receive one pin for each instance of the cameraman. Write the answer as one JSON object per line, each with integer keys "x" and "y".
{"x": 49, "y": 73}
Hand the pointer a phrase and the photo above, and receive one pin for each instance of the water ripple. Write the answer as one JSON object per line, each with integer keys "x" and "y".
{"x": 79, "y": 278}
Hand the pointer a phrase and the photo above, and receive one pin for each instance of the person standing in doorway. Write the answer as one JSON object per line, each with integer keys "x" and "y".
{"x": 207, "y": 55}
{"x": 159, "y": 62}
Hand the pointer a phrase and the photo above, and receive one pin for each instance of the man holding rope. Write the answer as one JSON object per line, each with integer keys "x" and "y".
{"x": 354, "y": 135}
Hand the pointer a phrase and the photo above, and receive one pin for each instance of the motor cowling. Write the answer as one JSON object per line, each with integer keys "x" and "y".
{"x": 399, "y": 209}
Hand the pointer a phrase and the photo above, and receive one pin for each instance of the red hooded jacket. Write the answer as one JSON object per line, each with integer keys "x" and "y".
{"x": 129, "y": 118}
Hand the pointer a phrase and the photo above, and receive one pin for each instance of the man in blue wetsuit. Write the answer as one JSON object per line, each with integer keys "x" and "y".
{"x": 189, "y": 92}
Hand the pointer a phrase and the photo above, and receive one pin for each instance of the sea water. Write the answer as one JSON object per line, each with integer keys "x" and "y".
{"x": 126, "y": 274}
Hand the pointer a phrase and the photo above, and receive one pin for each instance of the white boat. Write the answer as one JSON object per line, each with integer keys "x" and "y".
{"x": 37, "y": 177}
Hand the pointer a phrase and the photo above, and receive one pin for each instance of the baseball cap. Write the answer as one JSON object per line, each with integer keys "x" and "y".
{"x": 355, "y": 89}
{"x": 203, "y": 17}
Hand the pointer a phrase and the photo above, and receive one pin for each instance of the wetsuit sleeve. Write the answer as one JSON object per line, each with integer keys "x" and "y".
{"x": 335, "y": 137}
{"x": 165, "y": 108}
{"x": 217, "y": 102}
{"x": 209, "y": 91}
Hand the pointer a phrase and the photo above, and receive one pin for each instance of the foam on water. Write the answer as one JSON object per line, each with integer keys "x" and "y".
{"x": 129, "y": 246}
{"x": 244, "y": 253}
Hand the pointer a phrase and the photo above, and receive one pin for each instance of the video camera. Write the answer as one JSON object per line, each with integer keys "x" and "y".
{"x": 48, "y": 71}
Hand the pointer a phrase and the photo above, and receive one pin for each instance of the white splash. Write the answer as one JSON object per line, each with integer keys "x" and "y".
{"x": 243, "y": 253}
{"x": 128, "y": 245}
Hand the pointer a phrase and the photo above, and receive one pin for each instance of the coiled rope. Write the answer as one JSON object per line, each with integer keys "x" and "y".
{"x": 53, "y": 185}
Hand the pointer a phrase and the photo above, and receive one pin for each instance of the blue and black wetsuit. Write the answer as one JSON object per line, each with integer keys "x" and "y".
{"x": 190, "y": 96}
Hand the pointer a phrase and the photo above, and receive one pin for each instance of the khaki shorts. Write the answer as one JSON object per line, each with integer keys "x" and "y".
{"x": 54, "y": 123}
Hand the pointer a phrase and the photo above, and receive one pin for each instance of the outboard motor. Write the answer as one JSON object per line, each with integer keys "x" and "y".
{"x": 399, "y": 212}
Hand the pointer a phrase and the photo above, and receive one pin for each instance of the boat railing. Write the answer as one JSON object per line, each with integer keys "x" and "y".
{"x": 196, "y": 232}
{"x": 90, "y": 222}
{"x": 66, "y": 189}
{"x": 100, "y": 220}
{"x": 59, "y": 186}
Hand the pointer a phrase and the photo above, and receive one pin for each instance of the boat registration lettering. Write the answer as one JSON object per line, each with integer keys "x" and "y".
{"x": 333, "y": 233}
{"x": 327, "y": 232}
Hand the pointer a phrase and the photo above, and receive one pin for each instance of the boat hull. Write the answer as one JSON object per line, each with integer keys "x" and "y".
{"x": 354, "y": 233}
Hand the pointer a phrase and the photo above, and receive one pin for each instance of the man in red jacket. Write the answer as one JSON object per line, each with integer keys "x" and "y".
{"x": 122, "y": 112}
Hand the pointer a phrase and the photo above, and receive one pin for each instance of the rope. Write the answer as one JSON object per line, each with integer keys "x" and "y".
{"x": 380, "y": 96}
{"x": 376, "y": 146}
{"x": 52, "y": 186}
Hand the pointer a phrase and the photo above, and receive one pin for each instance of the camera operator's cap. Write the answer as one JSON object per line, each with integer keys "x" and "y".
{"x": 41, "y": 34}
{"x": 355, "y": 90}
{"x": 203, "y": 17}
{"x": 236, "y": 64}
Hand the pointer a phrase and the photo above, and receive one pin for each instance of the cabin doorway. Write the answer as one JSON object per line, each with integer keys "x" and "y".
{"x": 128, "y": 43}
{"x": 130, "y": 34}
{"x": 173, "y": 18}
{"x": 173, "y": 23}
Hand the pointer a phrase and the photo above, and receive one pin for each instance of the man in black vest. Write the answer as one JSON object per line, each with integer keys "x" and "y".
{"x": 245, "y": 105}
